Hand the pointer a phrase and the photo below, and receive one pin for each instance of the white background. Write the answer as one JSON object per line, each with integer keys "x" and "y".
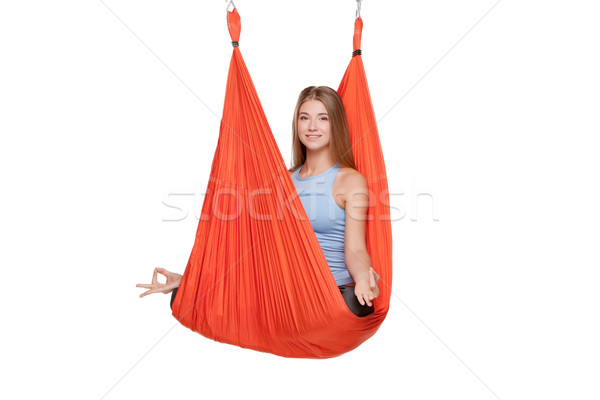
{"x": 109, "y": 110}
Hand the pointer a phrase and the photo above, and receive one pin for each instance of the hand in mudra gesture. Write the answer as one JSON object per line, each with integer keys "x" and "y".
{"x": 366, "y": 290}
{"x": 173, "y": 281}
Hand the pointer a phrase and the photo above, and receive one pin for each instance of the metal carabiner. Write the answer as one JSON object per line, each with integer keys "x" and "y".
{"x": 358, "y": 8}
{"x": 229, "y": 3}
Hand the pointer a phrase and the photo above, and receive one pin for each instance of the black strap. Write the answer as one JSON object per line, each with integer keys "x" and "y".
{"x": 357, "y": 52}
{"x": 235, "y": 44}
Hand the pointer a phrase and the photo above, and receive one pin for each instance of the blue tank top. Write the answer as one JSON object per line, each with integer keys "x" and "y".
{"x": 326, "y": 217}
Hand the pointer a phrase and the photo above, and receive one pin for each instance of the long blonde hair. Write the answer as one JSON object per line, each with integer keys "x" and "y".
{"x": 339, "y": 144}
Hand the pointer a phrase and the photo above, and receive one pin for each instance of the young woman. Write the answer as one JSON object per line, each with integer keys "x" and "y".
{"x": 334, "y": 195}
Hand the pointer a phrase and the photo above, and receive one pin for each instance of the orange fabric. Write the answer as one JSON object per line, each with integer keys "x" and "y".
{"x": 257, "y": 277}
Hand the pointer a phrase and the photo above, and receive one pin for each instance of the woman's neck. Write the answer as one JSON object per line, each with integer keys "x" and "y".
{"x": 316, "y": 163}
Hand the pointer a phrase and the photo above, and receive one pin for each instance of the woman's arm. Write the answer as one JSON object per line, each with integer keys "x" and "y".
{"x": 356, "y": 256}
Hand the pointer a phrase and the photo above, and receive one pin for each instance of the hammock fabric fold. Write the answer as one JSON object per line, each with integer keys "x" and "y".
{"x": 257, "y": 277}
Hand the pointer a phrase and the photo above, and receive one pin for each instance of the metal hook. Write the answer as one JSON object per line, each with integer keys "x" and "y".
{"x": 229, "y": 3}
{"x": 358, "y": 8}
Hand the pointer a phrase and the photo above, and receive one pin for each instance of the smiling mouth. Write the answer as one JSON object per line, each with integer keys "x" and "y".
{"x": 313, "y": 136}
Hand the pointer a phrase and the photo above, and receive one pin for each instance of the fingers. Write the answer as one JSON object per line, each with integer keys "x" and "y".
{"x": 365, "y": 298}
{"x": 368, "y": 299}
{"x": 155, "y": 286}
{"x": 168, "y": 274}
{"x": 149, "y": 292}
{"x": 359, "y": 297}
{"x": 160, "y": 288}
{"x": 373, "y": 277}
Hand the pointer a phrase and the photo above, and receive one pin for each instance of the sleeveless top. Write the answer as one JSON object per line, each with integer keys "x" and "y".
{"x": 326, "y": 217}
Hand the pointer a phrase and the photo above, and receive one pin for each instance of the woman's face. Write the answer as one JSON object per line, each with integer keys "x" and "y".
{"x": 314, "y": 130}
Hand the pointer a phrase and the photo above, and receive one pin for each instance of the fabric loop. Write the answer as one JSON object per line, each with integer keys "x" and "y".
{"x": 234, "y": 24}
{"x": 358, "y": 27}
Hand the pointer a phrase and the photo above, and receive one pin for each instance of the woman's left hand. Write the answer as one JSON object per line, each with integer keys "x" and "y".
{"x": 366, "y": 290}
{"x": 173, "y": 281}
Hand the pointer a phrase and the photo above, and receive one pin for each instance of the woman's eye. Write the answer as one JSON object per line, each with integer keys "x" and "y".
{"x": 303, "y": 117}
{"x": 323, "y": 118}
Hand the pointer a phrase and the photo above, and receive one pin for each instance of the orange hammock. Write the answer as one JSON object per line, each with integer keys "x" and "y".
{"x": 257, "y": 277}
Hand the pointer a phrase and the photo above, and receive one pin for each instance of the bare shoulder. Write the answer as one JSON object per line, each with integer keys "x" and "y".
{"x": 348, "y": 183}
{"x": 352, "y": 180}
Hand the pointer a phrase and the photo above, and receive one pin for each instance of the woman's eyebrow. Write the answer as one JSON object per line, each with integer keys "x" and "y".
{"x": 304, "y": 112}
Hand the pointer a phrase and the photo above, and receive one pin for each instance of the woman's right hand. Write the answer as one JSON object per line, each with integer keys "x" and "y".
{"x": 173, "y": 281}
